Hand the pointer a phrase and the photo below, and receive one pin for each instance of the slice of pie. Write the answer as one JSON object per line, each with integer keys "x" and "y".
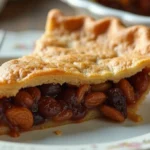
{"x": 81, "y": 69}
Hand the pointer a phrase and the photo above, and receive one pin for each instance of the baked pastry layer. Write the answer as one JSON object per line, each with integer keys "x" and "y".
{"x": 79, "y": 50}
{"x": 42, "y": 67}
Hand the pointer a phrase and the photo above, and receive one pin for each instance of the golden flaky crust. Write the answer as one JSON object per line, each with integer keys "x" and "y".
{"x": 79, "y": 50}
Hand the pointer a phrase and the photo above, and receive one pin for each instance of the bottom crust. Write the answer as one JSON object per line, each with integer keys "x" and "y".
{"x": 92, "y": 114}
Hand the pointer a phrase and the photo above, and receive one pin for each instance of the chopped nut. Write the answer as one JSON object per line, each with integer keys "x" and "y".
{"x": 112, "y": 113}
{"x": 21, "y": 117}
{"x": 63, "y": 116}
{"x": 82, "y": 90}
{"x": 128, "y": 91}
{"x": 94, "y": 99}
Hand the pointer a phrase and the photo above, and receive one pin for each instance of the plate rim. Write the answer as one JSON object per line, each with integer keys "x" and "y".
{"x": 104, "y": 11}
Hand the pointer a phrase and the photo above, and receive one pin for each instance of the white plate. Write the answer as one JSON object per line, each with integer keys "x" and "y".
{"x": 97, "y": 10}
{"x": 91, "y": 135}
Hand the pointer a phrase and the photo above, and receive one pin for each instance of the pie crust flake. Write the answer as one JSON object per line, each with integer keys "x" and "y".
{"x": 81, "y": 69}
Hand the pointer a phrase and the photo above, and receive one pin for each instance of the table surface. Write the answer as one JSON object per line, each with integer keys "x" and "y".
{"x": 19, "y": 15}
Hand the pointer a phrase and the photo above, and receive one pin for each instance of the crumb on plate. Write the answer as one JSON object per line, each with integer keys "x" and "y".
{"x": 58, "y": 132}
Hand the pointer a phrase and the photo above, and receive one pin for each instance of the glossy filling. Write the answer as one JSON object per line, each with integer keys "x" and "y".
{"x": 36, "y": 105}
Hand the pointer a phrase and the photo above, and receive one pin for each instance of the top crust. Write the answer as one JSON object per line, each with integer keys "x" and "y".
{"x": 79, "y": 50}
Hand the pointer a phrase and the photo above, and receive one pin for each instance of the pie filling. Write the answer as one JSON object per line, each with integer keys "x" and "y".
{"x": 36, "y": 105}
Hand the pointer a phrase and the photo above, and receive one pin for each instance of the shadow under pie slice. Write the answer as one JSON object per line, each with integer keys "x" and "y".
{"x": 81, "y": 69}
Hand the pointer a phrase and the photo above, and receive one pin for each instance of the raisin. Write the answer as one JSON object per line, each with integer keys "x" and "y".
{"x": 35, "y": 93}
{"x": 146, "y": 70}
{"x": 6, "y": 103}
{"x": 117, "y": 100}
{"x": 50, "y": 89}
{"x": 24, "y": 99}
{"x": 63, "y": 104}
{"x": 60, "y": 96}
{"x": 66, "y": 86}
{"x": 48, "y": 107}
{"x": 140, "y": 82}
{"x": 34, "y": 107}
{"x": 1, "y": 108}
{"x": 79, "y": 112}
{"x": 69, "y": 96}
{"x": 38, "y": 119}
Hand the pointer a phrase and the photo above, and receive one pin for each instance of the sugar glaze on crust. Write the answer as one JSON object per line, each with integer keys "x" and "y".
{"x": 79, "y": 50}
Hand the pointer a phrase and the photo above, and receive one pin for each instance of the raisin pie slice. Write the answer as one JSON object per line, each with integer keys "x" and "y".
{"x": 81, "y": 69}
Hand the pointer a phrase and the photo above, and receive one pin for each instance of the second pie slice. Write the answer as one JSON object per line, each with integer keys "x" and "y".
{"x": 81, "y": 69}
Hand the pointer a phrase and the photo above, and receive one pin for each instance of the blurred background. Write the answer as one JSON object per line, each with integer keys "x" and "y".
{"x": 22, "y": 22}
{"x": 17, "y": 15}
